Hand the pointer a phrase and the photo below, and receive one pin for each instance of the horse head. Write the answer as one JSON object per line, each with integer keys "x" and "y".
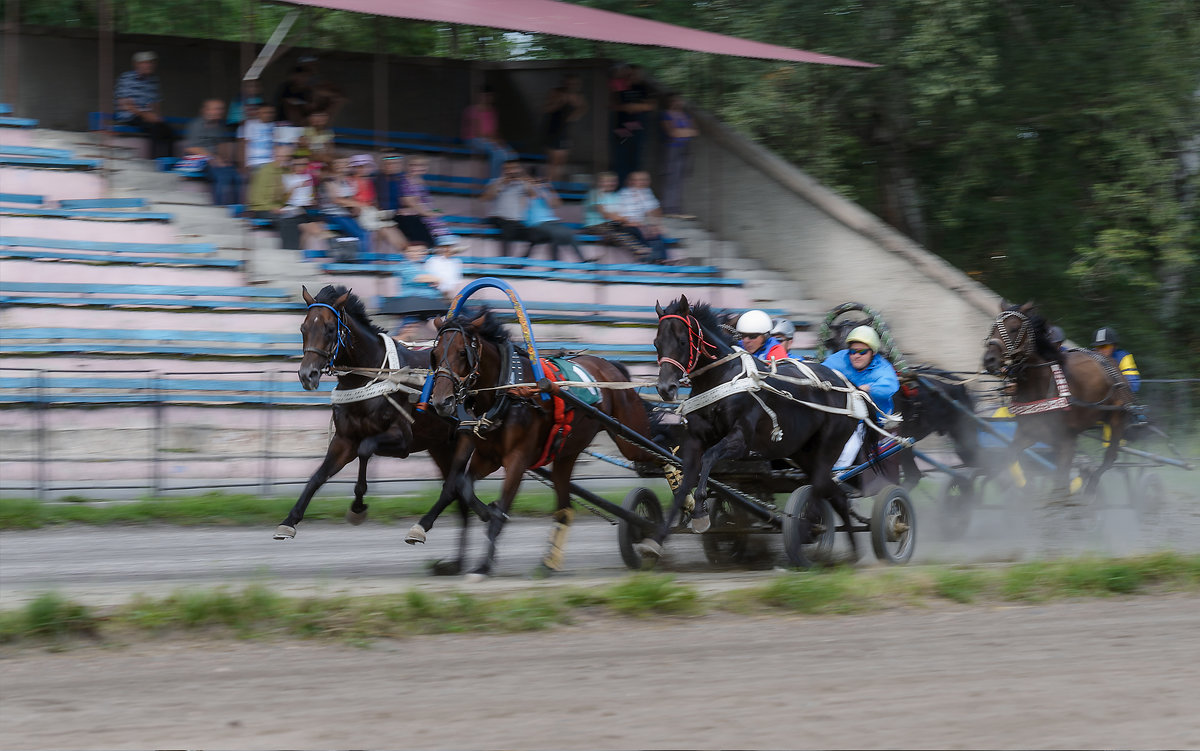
{"x": 456, "y": 359}
{"x": 1011, "y": 340}
{"x": 324, "y": 333}
{"x": 682, "y": 344}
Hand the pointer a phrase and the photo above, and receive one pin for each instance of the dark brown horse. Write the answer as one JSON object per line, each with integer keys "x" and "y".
{"x": 474, "y": 361}
{"x": 1057, "y": 394}
{"x": 338, "y": 333}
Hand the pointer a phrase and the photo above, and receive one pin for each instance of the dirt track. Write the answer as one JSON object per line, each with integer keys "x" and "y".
{"x": 1110, "y": 673}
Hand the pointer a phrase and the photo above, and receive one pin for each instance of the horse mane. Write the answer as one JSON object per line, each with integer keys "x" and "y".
{"x": 491, "y": 329}
{"x": 709, "y": 319}
{"x": 353, "y": 307}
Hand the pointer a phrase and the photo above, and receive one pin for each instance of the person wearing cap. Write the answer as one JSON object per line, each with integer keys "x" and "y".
{"x": 137, "y": 103}
{"x": 754, "y": 327}
{"x": 785, "y": 331}
{"x": 1105, "y": 342}
{"x": 1057, "y": 337}
{"x": 868, "y": 371}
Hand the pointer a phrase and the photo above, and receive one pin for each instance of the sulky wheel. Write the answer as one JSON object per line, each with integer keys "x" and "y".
{"x": 809, "y": 529}
{"x": 641, "y": 502}
{"x": 893, "y": 526}
{"x": 723, "y": 547}
{"x": 954, "y": 512}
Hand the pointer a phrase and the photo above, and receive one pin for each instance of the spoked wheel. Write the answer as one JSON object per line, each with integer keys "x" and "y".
{"x": 809, "y": 529}
{"x": 723, "y": 547}
{"x": 1149, "y": 497}
{"x": 893, "y": 526}
{"x": 642, "y": 502}
{"x": 954, "y": 515}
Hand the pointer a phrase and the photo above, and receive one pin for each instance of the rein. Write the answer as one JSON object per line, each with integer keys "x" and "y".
{"x": 342, "y": 330}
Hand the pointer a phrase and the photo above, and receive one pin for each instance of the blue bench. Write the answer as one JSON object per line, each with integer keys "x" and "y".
{"x": 40, "y": 163}
{"x": 28, "y": 198}
{"x": 149, "y": 303}
{"x": 152, "y": 296}
{"x": 474, "y": 186}
{"x": 5, "y": 109}
{"x": 410, "y": 141}
{"x": 128, "y": 216}
{"x": 141, "y": 289}
{"x": 104, "y": 121}
{"x": 35, "y": 151}
{"x": 133, "y": 389}
{"x": 18, "y": 122}
{"x": 103, "y": 203}
{"x": 137, "y": 260}
{"x": 149, "y": 341}
{"x": 106, "y": 247}
{"x": 557, "y": 276}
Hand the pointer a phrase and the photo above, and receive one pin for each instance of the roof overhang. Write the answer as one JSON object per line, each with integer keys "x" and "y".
{"x": 580, "y": 22}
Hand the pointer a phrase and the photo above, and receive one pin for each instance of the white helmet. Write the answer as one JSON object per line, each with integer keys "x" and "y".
{"x": 784, "y": 329}
{"x": 864, "y": 335}
{"x": 753, "y": 323}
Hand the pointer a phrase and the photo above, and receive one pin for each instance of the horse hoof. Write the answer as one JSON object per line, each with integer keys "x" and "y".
{"x": 356, "y": 518}
{"x": 475, "y": 578}
{"x": 284, "y": 532}
{"x": 446, "y": 568}
{"x": 700, "y": 524}
{"x": 416, "y": 533}
{"x": 648, "y": 549}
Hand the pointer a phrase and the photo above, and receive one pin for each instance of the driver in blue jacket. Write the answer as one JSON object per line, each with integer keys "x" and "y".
{"x": 869, "y": 372}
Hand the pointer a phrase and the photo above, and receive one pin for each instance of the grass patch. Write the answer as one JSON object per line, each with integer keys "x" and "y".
{"x": 256, "y": 611}
{"x": 229, "y": 509}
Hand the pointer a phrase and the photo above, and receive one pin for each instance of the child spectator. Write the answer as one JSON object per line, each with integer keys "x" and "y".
{"x": 256, "y": 137}
{"x": 250, "y": 91}
{"x": 137, "y": 103}
{"x": 317, "y": 141}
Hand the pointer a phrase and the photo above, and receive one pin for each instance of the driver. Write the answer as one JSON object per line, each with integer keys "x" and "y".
{"x": 869, "y": 372}
{"x": 785, "y": 331}
{"x": 1105, "y": 342}
{"x": 754, "y": 326}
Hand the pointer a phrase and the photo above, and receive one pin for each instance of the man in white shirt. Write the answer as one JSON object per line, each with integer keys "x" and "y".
{"x": 510, "y": 194}
{"x": 256, "y": 136}
{"x": 640, "y": 214}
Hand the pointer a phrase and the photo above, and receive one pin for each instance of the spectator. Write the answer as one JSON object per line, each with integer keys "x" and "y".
{"x": 375, "y": 221}
{"x": 563, "y": 107}
{"x": 601, "y": 217}
{"x": 301, "y": 189}
{"x": 338, "y": 207}
{"x": 208, "y": 139}
{"x": 638, "y": 213}
{"x": 480, "y": 131}
{"x": 679, "y": 130}
{"x": 633, "y": 106}
{"x": 251, "y": 91}
{"x": 281, "y": 192}
{"x": 317, "y": 140}
{"x": 545, "y": 226}
{"x": 510, "y": 194}
{"x": 256, "y": 137}
{"x": 443, "y": 270}
{"x": 391, "y": 183}
{"x": 137, "y": 103}
{"x": 419, "y": 220}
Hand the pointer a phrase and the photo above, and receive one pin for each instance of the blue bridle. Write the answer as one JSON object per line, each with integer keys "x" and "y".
{"x": 341, "y": 327}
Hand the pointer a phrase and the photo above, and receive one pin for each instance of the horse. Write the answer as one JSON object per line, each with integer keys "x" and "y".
{"x": 776, "y": 426}
{"x": 926, "y": 404}
{"x": 475, "y": 363}
{"x": 338, "y": 333}
{"x": 1057, "y": 394}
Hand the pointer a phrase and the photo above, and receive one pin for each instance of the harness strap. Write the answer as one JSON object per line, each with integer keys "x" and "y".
{"x": 564, "y": 418}
{"x": 1062, "y": 400}
{"x": 381, "y": 386}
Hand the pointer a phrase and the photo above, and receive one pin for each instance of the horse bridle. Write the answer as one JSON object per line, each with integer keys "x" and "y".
{"x": 698, "y": 344}
{"x": 342, "y": 331}
{"x": 1016, "y": 348}
{"x": 462, "y": 386}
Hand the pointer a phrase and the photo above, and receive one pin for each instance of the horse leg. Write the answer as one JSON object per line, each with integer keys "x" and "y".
{"x": 514, "y": 472}
{"x": 393, "y": 442}
{"x": 357, "y": 513}
{"x": 908, "y": 467}
{"x": 340, "y": 453}
{"x": 732, "y": 446}
{"x": 560, "y": 473}
{"x": 452, "y": 486}
{"x": 689, "y": 453}
{"x": 1118, "y": 422}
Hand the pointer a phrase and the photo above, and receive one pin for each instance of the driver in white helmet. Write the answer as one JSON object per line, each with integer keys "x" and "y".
{"x": 754, "y": 326}
{"x": 785, "y": 331}
{"x": 869, "y": 371}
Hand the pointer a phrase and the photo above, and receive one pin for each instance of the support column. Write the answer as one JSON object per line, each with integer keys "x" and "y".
{"x": 104, "y": 68}
{"x": 380, "y": 79}
{"x": 12, "y": 77}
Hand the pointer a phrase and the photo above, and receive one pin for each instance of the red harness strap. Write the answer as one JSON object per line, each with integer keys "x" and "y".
{"x": 563, "y": 418}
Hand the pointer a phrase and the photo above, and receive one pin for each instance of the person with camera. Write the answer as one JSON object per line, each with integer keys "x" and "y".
{"x": 509, "y": 195}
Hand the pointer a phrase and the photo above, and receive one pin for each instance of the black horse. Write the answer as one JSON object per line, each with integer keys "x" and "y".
{"x": 926, "y": 403}
{"x": 338, "y": 333}
{"x": 689, "y": 346}
{"x": 475, "y": 364}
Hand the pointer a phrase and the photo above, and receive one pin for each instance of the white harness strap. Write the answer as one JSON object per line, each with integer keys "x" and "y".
{"x": 381, "y": 386}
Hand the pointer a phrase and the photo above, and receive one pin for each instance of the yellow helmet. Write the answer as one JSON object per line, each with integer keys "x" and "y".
{"x": 864, "y": 335}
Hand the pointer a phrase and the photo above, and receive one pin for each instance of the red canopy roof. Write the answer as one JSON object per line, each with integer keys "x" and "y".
{"x": 565, "y": 19}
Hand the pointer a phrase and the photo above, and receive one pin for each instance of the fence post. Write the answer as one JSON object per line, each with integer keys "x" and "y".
{"x": 41, "y": 408}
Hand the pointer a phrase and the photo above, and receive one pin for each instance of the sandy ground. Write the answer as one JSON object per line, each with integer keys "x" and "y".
{"x": 1116, "y": 673}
